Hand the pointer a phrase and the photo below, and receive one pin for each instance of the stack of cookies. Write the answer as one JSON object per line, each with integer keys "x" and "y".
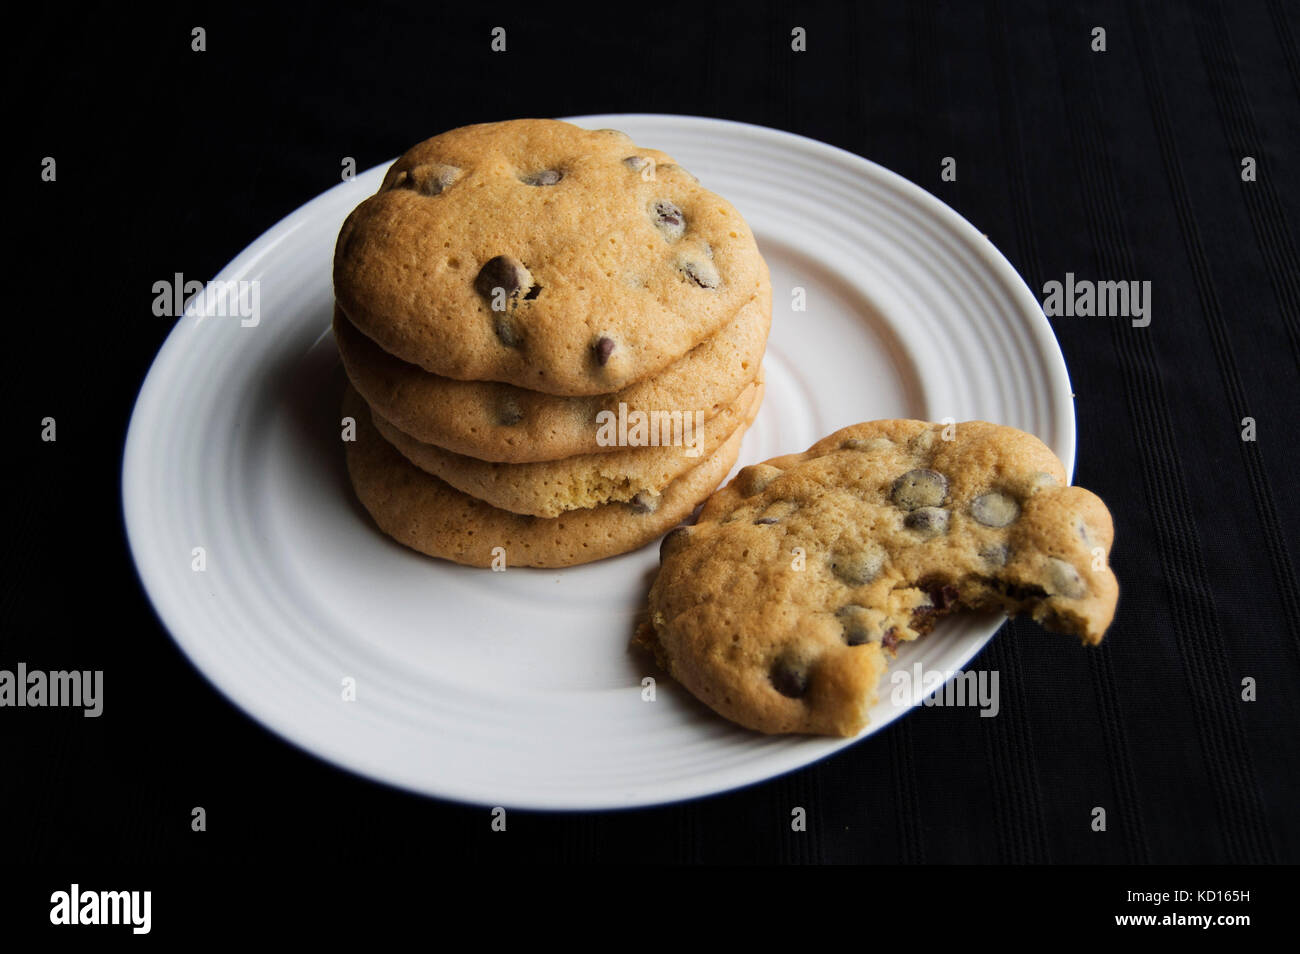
{"x": 554, "y": 342}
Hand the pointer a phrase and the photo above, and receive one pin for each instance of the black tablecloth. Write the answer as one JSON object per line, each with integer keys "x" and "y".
{"x": 1122, "y": 164}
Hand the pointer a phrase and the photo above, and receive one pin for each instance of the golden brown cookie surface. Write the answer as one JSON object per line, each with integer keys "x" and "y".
{"x": 540, "y": 254}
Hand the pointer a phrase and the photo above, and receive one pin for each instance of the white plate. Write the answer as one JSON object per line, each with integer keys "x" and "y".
{"x": 517, "y": 688}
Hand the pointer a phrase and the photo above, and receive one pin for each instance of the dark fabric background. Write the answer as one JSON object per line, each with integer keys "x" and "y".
{"x": 1115, "y": 165}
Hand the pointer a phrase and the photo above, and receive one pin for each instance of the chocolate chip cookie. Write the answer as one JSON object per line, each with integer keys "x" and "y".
{"x": 550, "y": 488}
{"x": 543, "y": 255}
{"x": 500, "y": 422}
{"x": 782, "y": 606}
{"x": 424, "y": 513}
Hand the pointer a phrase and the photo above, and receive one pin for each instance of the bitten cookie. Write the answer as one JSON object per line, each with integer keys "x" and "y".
{"x": 781, "y": 607}
{"x": 424, "y": 513}
{"x": 636, "y": 475}
{"x": 540, "y": 254}
{"x": 500, "y": 422}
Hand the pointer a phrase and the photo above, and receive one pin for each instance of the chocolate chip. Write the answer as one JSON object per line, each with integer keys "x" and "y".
{"x": 547, "y": 177}
{"x": 506, "y": 330}
{"x": 603, "y": 348}
{"x": 533, "y": 293}
{"x": 923, "y": 442}
{"x": 645, "y": 501}
{"x": 943, "y": 596}
{"x": 994, "y": 509}
{"x": 766, "y": 520}
{"x": 668, "y": 219}
{"x": 509, "y": 413}
{"x": 755, "y": 478}
{"x": 860, "y": 626}
{"x": 674, "y": 541}
{"x": 1044, "y": 479}
{"x": 919, "y": 488}
{"x": 1064, "y": 579}
{"x": 996, "y": 555}
{"x": 927, "y": 521}
{"x": 504, "y": 272}
{"x": 433, "y": 178}
{"x": 700, "y": 271}
{"x": 857, "y": 567}
{"x": 890, "y": 639}
{"x": 789, "y": 678}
